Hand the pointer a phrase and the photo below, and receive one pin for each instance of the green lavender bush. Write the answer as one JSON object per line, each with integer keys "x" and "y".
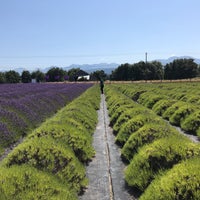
{"x": 180, "y": 182}
{"x": 146, "y": 135}
{"x": 160, "y": 155}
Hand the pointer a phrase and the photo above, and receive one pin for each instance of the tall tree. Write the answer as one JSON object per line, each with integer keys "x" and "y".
{"x": 122, "y": 72}
{"x": 12, "y": 76}
{"x": 155, "y": 70}
{"x": 72, "y": 74}
{"x": 2, "y": 77}
{"x": 56, "y": 74}
{"x": 139, "y": 71}
{"x": 181, "y": 69}
{"x": 38, "y": 76}
{"x": 98, "y": 75}
{"x": 26, "y": 77}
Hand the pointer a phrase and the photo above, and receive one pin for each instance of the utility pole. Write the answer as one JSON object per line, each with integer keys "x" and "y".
{"x": 146, "y": 67}
{"x": 146, "y": 57}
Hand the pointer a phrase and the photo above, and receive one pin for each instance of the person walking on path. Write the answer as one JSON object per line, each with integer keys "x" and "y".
{"x": 101, "y": 86}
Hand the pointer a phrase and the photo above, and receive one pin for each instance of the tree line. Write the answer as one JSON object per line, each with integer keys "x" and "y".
{"x": 178, "y": 69}
{"x": 55, "y": 74}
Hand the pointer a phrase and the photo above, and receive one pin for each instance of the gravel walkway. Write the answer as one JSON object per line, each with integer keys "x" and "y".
{"x": 105, "y": 172}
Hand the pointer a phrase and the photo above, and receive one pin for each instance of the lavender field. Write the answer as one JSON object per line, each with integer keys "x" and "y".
{"x": 24, "y": 106}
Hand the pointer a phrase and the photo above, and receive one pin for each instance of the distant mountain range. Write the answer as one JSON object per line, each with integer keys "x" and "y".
{"x": 171, "y": 59}
{"x": 107, "y": 68}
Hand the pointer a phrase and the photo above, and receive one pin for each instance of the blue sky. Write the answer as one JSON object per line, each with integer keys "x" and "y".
{"x": 43, "y": 33}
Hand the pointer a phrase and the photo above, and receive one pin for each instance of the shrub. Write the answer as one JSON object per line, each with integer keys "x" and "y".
{"x": 162, "y": 154}
{"x": 148, "y": 99}
{"x": 132, "y": 125}
{"x": 60, "y": 146}
{"x": 192, "y": 123}
{"x": 118, "y": 112}
{"x": 172, "y": 109}
{"x": 126, "y": 115}
{"x": 181, "y": 182}
{"x": 136, "y": 95}
{"x": 116, "y": 103}
{"x": 181, "y": 113}
{"x": 70, "y": 135}
{"x": 45, "y": 154}
{"x": 25, "y": 182}
{"x": 162, "y": 105}
{"x": 145, "y": 135}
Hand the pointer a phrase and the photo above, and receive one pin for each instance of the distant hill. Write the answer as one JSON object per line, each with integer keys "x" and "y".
{"x": 89, "y": 68}
{"x": 19, "y": 70}
{"x": 171, "y": 59}
{"x": 108, "y": 68}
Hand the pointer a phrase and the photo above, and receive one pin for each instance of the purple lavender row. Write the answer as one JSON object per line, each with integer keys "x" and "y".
{"x": 25, "y": 106}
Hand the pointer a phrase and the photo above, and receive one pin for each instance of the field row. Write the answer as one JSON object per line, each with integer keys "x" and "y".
{"x": 177, "y": 103}
{"x": 49, "y": 163}
{"x": 162, "y": 163}
{"x": 25, "y": 106}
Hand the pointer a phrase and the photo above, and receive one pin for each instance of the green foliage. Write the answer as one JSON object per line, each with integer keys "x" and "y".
{"x": 181, "y": 182}
{"x": 160, "y": 155}
{"x": 148, "y": 99}
{"x": 47, "y": 155}
{"x": 181, "y": 69}
{"x": 118, "y": 112}
{"x": 181, "y": 113}
{"x": 25, "y": 182}
{"x": 98, "y": 75}
{"x": 132, "y": 125}
{"x": 127, "y": 115}
{"x": 26, "y": 77}
{"x": 153, "y": 147}
{"x": 72, "y": 74}
{"x": 12, "y": 76}
{"x": 172, "y": 109}
{"x": 38, "y": 75}
{"x": 162, "y": 105}
{"x": 146, "y": 135}
{"x": 116, "y": 102}
{"x": 58, "y": 148}
{"x": 70, "y": 133}
{"x": 192, "y": 123}
{"x": 138, "y": 71}
{"x": 55, "y": 74}
{"x": 2, "y": 77}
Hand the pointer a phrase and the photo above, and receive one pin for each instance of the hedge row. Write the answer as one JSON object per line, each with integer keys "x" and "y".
{"x": 149, "y": 145}
{"x": 49, "y": 164}
{"x": 23, "y": 107}
{"x": 180, "y": 107}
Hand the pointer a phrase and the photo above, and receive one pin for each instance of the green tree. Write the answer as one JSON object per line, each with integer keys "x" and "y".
{"x": 38, "y": 76}
{"x": 26, "y": 77}
{"x": 98, "y": 75}
{"x": 181, "y": 69}
{"x": 12, "y": 76}
{"x": 55, "y": 74}
{"x": 198, "y": 71}
{"x": 155, "y": 70}
{"x": 139, "y": 71}
{"x": 2, "y": 77}
{"x": 122, "y": 72}
{"x": 72, "y": 74}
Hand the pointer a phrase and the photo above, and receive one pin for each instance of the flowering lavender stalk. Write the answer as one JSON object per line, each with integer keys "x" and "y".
{"x": 25, "y": 106}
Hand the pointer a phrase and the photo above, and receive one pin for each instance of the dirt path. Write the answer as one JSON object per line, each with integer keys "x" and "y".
{"x": 105, "y": 172}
